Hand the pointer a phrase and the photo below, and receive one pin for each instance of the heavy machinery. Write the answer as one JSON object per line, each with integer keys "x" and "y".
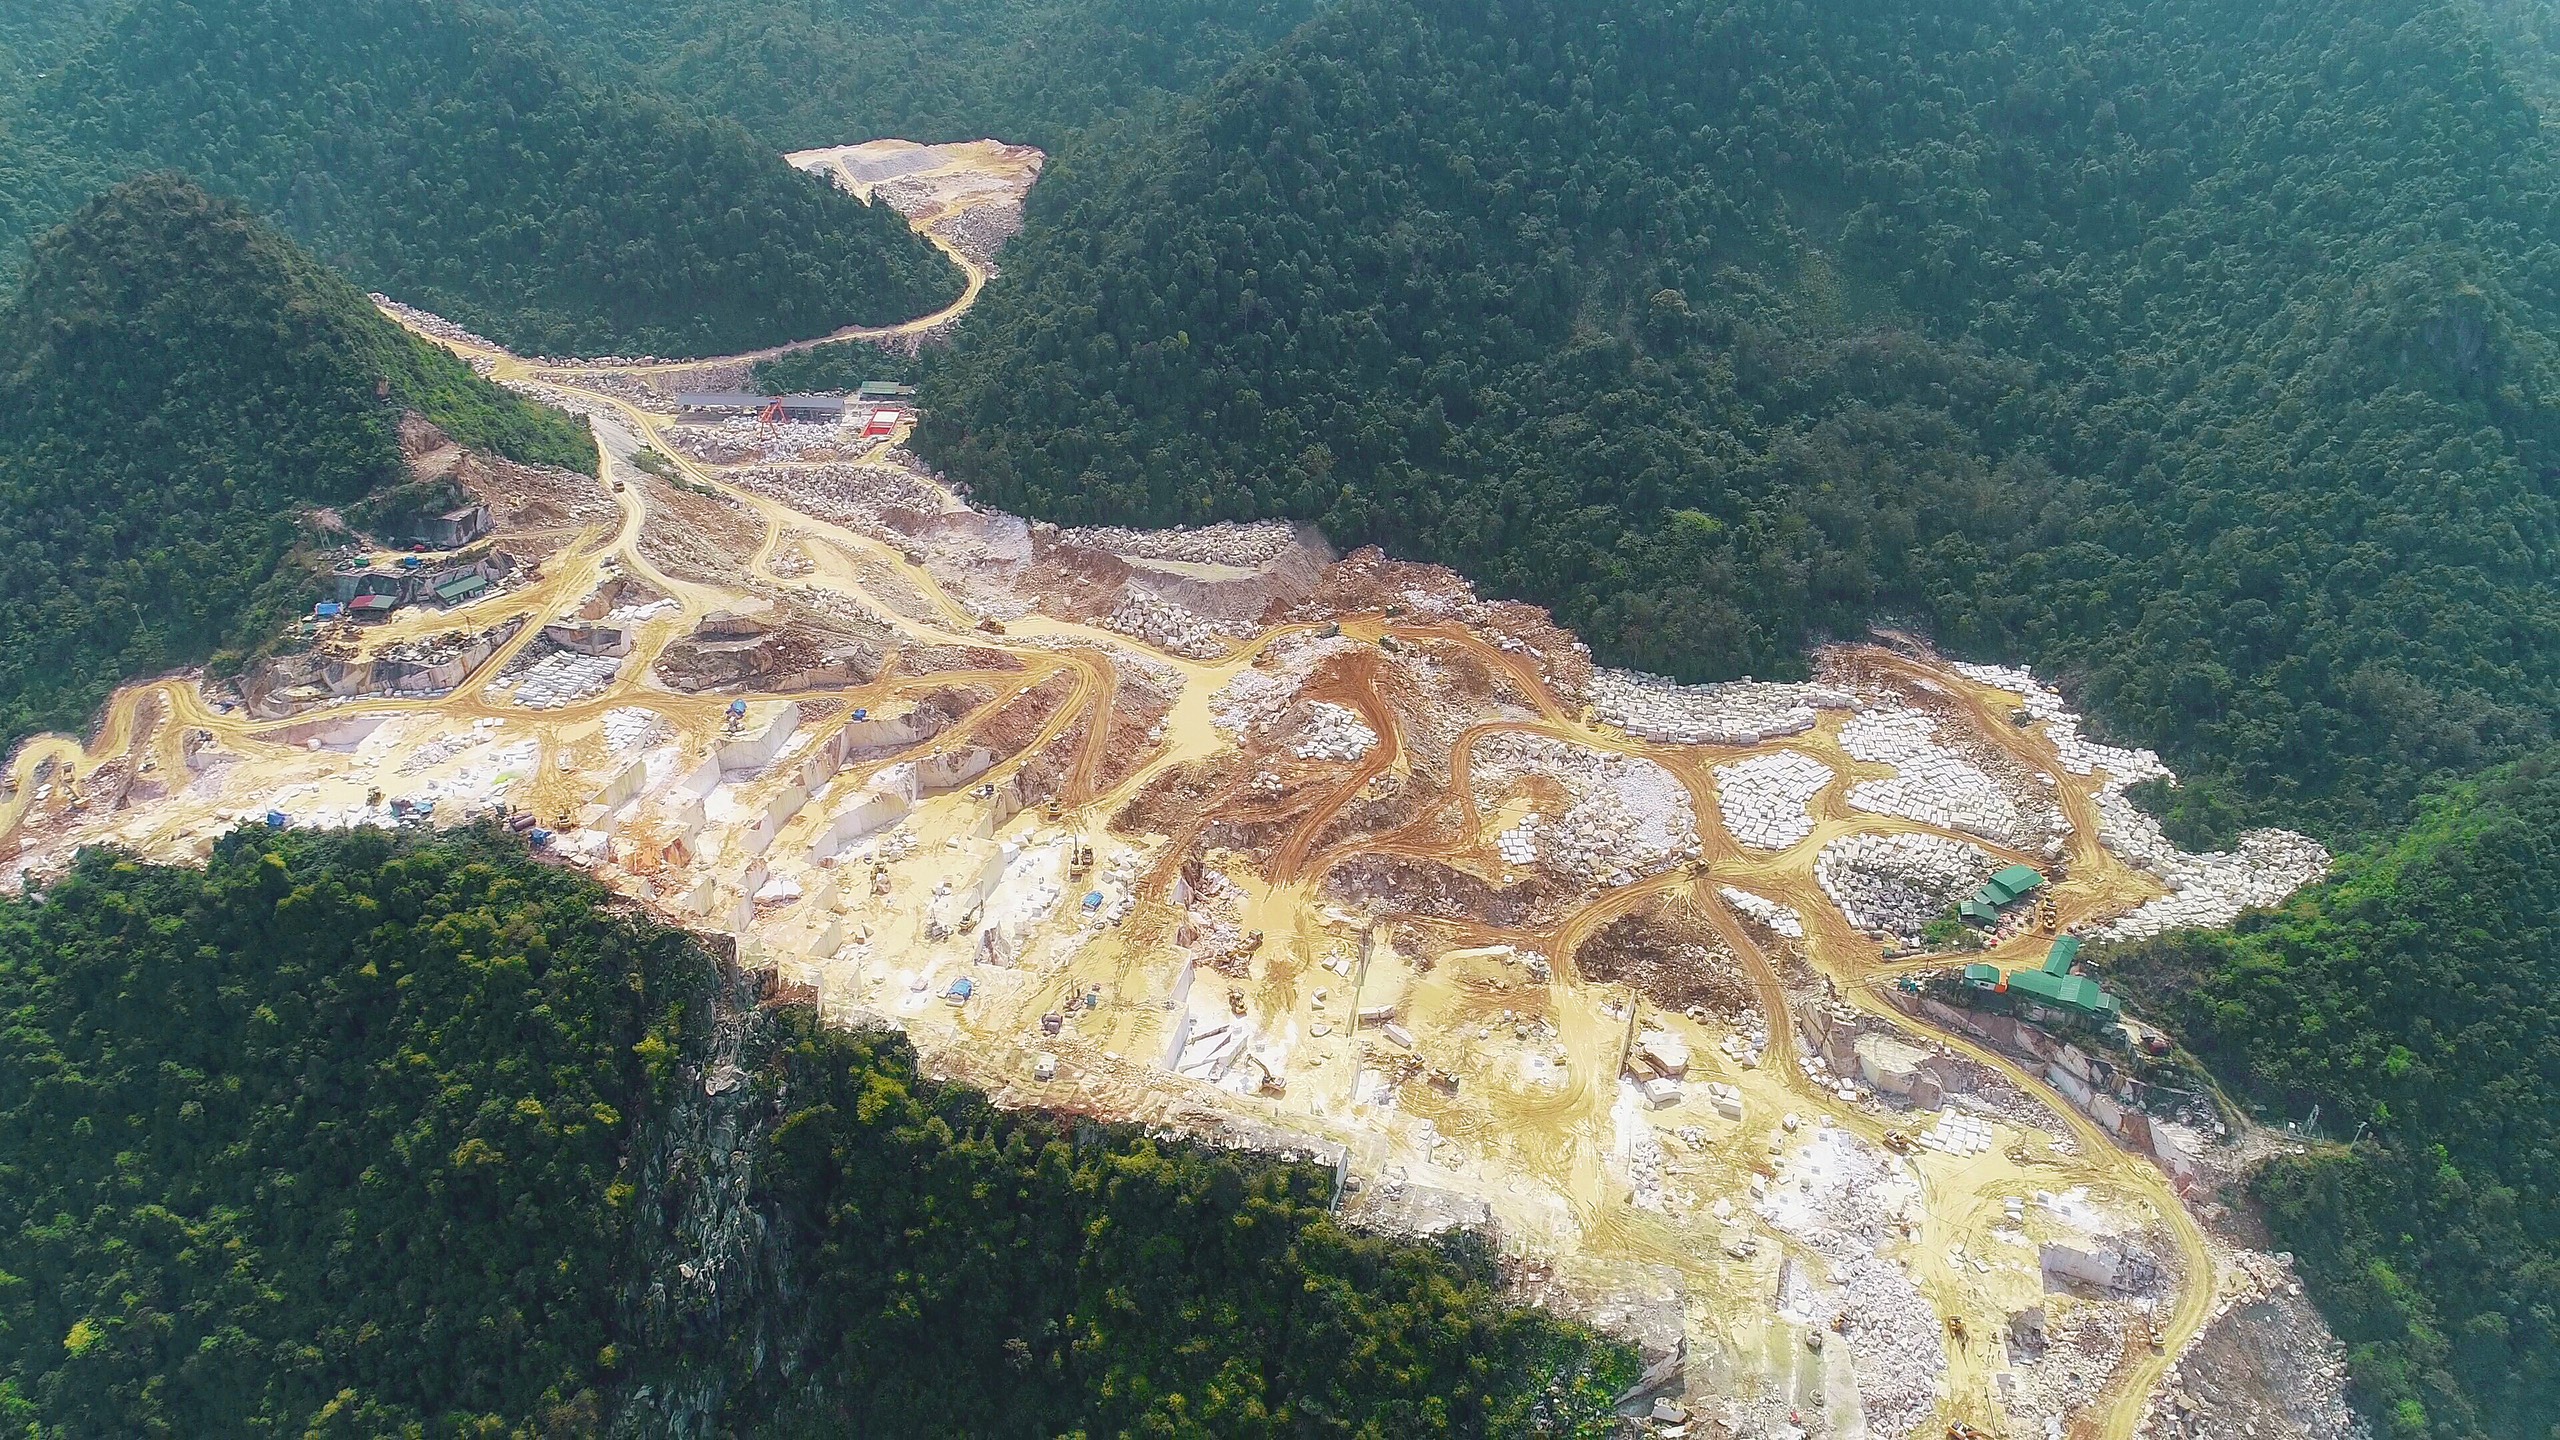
{"x": 1955, "y": 1329}
{"x": 1960, "y": 1430}
{"x": 1079, "y": 853}
{"x": 1897, "y": 1142}
{"x": 1235, "y": 1002}
{"x": 880, "y": 878}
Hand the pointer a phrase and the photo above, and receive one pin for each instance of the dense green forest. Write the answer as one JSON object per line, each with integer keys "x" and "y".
{"x": 805, "y": 73}
{"x": 2416, "y": 999}
{"x": 826, "y": 369}
{"x": 176, "y": 381}
{"x": 441, "y": 152}
{"x": 362, "y": 1134}
{"x": 2199, "y": 352}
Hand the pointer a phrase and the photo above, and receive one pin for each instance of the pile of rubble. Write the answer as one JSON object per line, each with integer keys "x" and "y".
{"x": 1763, "y": 799}
{"x": 1897, "y": 884}
{"x": 1167, "y": 626}
{"x": 2265, "y": 1365}
{"x": 429, "y": 323}
{"x": 1934, "y": 785}
{"x": 1333, "y": 732}
{"x": 641, "y": 394}
{"x": 1745, "y": 712}
{"x": 853, "y": 495}
{"x": 1778, "y": 919}
{"x": 1840, "y": 1197}
{"x": 1629, "y": 817}
{"x": 743, "y": 438}
{"x": 1246, "y": 547}
{"x": 2079, "y": 755}
{"x": 2209, "y": 890}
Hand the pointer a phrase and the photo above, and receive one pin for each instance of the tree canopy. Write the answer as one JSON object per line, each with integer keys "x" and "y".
{"x": 2412, "y": 998}
{"x": 177, "y": 382}
{"x": 440, "y": 152}
{"x": 806, "y": 73}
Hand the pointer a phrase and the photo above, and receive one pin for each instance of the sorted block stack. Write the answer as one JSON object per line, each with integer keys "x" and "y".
{"x": 1934, "y": 786}
{"x": 1781, "y": 919}
{"x": 1898, "y": 883}
{"x": 1763, "y": 799}
{"x": 1744, "y": 712}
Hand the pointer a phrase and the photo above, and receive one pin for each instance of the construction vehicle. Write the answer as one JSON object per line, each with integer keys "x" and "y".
{"x": 1252, "y": 942}
{"x": 1235, "y": 1002}
{"x": 1079, "y": 854}
{"x": 1955, "y": 1329}
{"x": 1959, "y": 1430}
{"x": 880, "y": 878}
{"x": 1897, "y": 1142}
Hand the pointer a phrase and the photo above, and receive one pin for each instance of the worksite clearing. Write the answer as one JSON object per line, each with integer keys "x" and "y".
{"x": 1218, "y": 832}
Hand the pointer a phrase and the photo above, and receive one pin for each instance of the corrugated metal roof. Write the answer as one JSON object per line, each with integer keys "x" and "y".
{"x": 2057, "y": 961}
{"x": 460, "y": 586}
{"x": 720, "y": 400}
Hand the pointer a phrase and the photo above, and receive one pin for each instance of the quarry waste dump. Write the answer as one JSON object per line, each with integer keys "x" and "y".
{"x": 1219, "y": 832}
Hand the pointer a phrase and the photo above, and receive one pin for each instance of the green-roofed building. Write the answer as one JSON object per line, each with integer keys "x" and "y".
{"x": 2053, "y": 987}
{"x": 1998, "y": 893}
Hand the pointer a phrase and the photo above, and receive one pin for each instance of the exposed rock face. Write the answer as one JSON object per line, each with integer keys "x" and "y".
{"x": 711, "y": 1277}
{"x": 729, "y": 650}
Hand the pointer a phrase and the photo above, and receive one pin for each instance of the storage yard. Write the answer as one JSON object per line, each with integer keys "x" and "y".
{"x": 1216, "y": 831}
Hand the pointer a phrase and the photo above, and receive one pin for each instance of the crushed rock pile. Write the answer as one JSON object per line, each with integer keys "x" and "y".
{"x": 852, "y": 495}
{"x": 2209, "y": 890}
{"x": 1763, "y": 799}
{"x": 1742, "y": 712}
{"x": 2265, "y": 1367}
{"x": 1247, "y": 547}
{"x": 1838, "y": 1196}
{"x": 1629, "y": 817}
{"x": 427, "y": 322}
{"x": 1146, "y": 616}
{"x": 1899, "y": 883}
{"x": 742, "y": 438}
{"x": 1333, "y": 732}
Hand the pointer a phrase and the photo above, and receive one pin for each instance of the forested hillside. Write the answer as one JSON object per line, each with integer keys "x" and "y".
{"x": 2412, "y": 999}
{"x": 438, "y": 151}
{"x": 176, "y": 380}
{"x": 359, "y": 1135}
{"x": 2198, "y": 352}
{"x": 805, "y": 73}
